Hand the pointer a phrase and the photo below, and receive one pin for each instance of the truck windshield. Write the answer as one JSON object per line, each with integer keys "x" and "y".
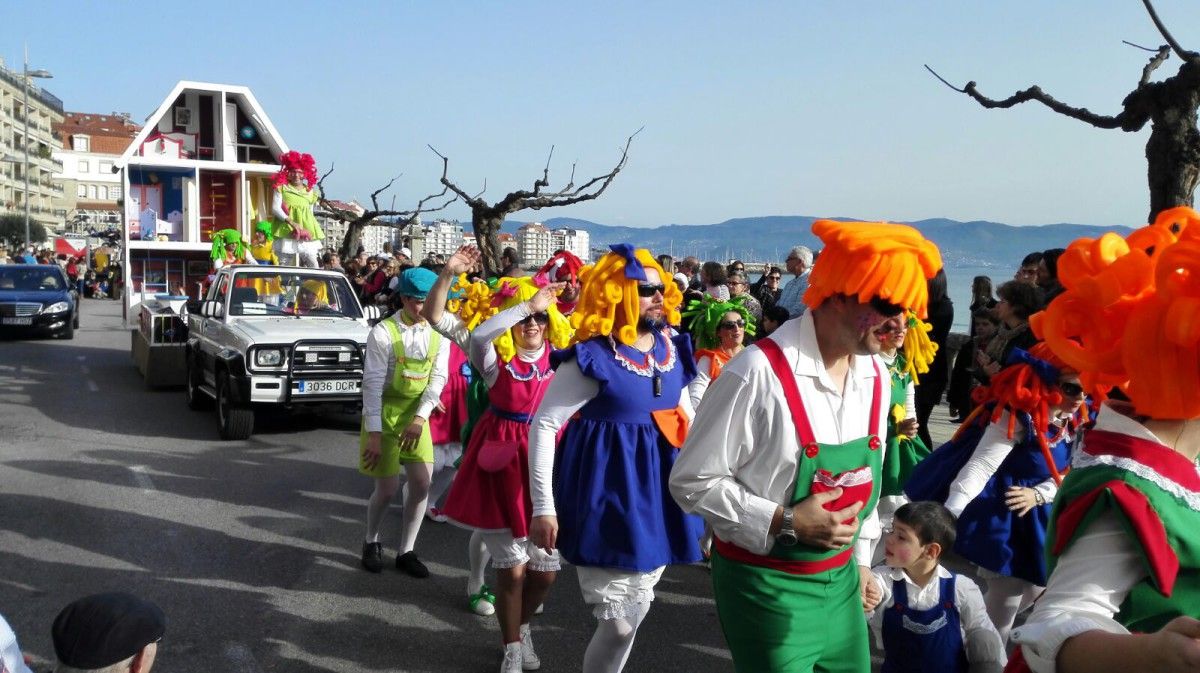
{"x": 293, "y": 294}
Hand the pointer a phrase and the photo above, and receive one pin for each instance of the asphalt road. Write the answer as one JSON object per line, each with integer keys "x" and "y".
{"x": 250, "y": 547}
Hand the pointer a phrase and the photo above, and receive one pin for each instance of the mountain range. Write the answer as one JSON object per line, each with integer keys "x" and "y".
{"x": 963, "y": 244}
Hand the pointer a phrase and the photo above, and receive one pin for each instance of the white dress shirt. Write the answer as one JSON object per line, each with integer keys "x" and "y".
{"x": 994, "y": 446}
{"x": 569, "y": 391}
{"x": 740, "y": 459}
{"x": 380, "y": 365}
{"x": 1090, "y": 580}
{"x": 985, "y": 650}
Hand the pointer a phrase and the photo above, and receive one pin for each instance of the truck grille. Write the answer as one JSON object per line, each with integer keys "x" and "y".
{"x": 22, "y": 309}
{"x": 316, "y": 358}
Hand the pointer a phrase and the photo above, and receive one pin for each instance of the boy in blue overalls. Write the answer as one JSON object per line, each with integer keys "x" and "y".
{"x": 930, "y": 619}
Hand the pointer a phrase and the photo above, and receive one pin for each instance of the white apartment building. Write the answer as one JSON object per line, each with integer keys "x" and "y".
{"x": 91, "y": 146}
{"x": 45, "y": 111}
{"x": 535, "y": 243}
{"x": 442, "y": 238}
{"x": 575, "y": 241}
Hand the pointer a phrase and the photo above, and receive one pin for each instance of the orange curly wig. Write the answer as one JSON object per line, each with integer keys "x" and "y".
{"x": 1130, "y": 315}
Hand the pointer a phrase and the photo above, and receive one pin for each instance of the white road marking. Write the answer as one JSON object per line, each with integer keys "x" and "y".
{"x": 92, "y": 386}
{"x": 140, "y": 476}
{"x": 718, "y": 652}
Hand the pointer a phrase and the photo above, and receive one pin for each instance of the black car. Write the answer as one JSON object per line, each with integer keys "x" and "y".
{"x": 37, "y": 298}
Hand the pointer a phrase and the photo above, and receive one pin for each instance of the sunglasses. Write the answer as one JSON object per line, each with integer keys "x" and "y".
{"x": 730, "y": 324}
{"x": 648, "y": 290}
{"x": 1070, "y": 389}
{"x": 885, "y": 308}
{"x": 542, "y": 318}
{"x": 773, "y": 277}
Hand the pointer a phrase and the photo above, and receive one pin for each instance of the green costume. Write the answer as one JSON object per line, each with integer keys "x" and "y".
{"x": 903, "y": 453}
{"x": 401, "y": 397}
{"x": 1155, "y": 494}
{"x": 798, "y": 609}
{"x": 299, "y": 201}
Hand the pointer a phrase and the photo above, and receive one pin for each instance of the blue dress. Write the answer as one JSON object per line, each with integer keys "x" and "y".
{"x": 610, "y": 483}
{"x": 990, "y": 535}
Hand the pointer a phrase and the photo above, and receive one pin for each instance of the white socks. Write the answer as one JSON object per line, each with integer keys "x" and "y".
{"x": 613, "y": 641}
{"x": 479, "y": 557}
{"x": 385, "y": 490}
{"x": 416, "y": 498}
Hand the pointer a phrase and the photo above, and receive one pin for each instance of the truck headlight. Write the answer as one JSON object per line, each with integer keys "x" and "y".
{"x": 57, "y": 307}
{"x": 268, "y": 357}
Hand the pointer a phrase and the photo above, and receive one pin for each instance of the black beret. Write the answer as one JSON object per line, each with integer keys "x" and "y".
{"x": 101, "y": 630}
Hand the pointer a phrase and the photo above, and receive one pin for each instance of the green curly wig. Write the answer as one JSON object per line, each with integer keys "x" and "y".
{"x": 225, "y": 237}
{"x": 703, "y": 318}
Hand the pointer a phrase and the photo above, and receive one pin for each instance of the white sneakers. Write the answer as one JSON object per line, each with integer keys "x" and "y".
{"x": 530, "y": 660}
{"x": 513, "y": 662}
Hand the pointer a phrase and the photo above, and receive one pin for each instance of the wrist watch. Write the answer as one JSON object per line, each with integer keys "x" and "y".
{"x": 787, "y": 533}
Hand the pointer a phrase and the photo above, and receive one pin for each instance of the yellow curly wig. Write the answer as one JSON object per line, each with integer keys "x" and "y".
{"x": 475, "y": 304}
{"x": 873, "y": 259}
{"x": 609, "y": 300}
{"x": 559, "y": 331}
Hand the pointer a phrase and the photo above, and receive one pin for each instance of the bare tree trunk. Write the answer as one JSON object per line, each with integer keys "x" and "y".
{"x": 487, "y": 229}
{"x": 1172, "y": 159}
{"x": 350, "y": 240}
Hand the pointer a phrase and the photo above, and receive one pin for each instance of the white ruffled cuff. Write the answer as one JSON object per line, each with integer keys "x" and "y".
{"x": 1041, "y": 641}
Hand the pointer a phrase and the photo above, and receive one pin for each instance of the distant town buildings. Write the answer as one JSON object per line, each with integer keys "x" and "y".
{"x": 44, "y": 112}
{"x": 91, "y": 189}
{"x": 536, "y": 243}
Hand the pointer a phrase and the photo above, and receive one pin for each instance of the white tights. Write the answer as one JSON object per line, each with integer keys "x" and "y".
{"x": 416, "y": 497}
{"x": 613, "y": 641}
{"x": 478, "y": 554}
{"x": 1006, "y": 597}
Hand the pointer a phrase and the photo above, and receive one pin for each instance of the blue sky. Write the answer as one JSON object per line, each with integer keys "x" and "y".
{"x": 768, "y": 108}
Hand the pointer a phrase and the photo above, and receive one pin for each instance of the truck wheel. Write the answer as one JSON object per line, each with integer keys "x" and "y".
{"x": 196, "y": 399}
{"x": 235, "y": 422}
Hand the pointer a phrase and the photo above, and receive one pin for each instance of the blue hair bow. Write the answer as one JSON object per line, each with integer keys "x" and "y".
{"x": 1047, "y": 372}
{"x": 633, "y": 268}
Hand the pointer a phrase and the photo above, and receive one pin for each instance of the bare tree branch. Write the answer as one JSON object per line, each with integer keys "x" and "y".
{"x": 1035, "y": 93}
{"x": 1138, "y": 46}
{"x": 1162, "y": 29}
{"x": 321, "y": 182}
{"x": 375, "y": 194}
{"x": 521, "y": 199}
{"x": 471, "y": 200}
{"x": 1164, "y": 52}
{"x": 545, "y": 181}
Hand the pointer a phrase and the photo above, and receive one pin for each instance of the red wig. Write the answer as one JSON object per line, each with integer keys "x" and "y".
{"x": 295, "y": 161}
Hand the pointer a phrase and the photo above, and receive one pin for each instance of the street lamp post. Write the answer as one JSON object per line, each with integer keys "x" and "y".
{"x": 26, "y": 74}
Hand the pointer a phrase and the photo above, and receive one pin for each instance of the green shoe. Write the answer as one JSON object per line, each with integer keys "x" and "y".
{"x": 483, "y": 603}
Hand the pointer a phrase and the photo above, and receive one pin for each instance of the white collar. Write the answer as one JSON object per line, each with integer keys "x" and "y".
{"x": 1114, "y": 421}
{"x": 802, "y": 331}
{"x": 899, "y": 574}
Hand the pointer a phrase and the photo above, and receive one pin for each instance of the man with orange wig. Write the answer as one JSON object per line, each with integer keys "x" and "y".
{"x": 1121, "y": 546}
{"x": 605, "y": 506}
{"x": 784, "y": 459}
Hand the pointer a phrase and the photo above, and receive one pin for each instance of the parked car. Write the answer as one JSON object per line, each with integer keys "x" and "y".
{"x": 37, "y": 299}
{"x": 275, "y": 337}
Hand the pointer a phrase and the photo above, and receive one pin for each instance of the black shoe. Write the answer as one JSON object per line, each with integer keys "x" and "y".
{"x": 412, "y": 565}
{"x": 372, "y": 558}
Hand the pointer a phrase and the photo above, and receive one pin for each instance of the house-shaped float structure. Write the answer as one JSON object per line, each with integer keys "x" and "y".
{"x": 203, "y": 162}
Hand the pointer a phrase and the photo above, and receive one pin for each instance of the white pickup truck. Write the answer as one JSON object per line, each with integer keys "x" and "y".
{"x": 275, "y": 336}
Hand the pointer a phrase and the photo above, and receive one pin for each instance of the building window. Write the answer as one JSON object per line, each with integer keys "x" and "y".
{"x": 114, "y": 193}
{"x": 105, "y": 167}
{"x": 81, "y": 191}
{"x": 83, "y": 167}
{"x": 91, "y": 191}
{"x": 81, "y": 143}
